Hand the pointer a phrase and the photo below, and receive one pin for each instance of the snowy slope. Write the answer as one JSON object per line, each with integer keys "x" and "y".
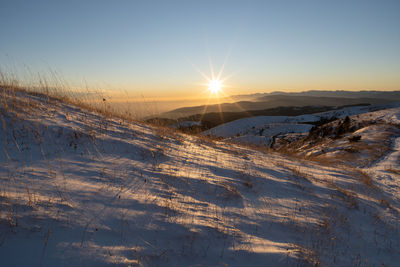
{"x": 376, "y": 132}
{"x": 81, "y": 189}
{"x": 252, "y": 130}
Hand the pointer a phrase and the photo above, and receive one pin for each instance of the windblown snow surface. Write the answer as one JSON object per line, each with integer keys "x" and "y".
{"x": 79, "y": 189}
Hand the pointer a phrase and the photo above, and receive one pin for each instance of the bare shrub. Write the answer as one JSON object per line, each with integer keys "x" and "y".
{"x": 355, "y": 138}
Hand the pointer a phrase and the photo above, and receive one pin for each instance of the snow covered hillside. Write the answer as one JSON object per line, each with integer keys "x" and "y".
{"x": 262, "y": 130}
{"x": 78, "y": 188}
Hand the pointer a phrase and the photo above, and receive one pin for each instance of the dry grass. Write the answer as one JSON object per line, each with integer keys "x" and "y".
{"x": 300, "y": 174}
{"x": 365, "y": 178}
{"x": 20, "y": 103}
{"x": 385, "y": 202}
{"x": 55, "y": 89}
{"x": 331, "y": 152}
{"x": 230, "y": 191}
{"x": 395, "y": 171}
{"x": 352, "y": 155}
{"x": 349, "y": 197}
{"x": 308, "y": 255}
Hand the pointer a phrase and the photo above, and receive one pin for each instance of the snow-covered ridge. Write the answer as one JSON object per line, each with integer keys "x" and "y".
{"x": 261, "y": 129}
{"x": 78, "y": 188}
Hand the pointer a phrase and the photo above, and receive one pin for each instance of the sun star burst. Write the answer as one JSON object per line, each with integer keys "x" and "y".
{"x": 215, "y": 86}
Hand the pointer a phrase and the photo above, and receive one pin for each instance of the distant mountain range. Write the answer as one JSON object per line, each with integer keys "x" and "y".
{"x": 320, "y": 93}
{"x": 281, "y": 99}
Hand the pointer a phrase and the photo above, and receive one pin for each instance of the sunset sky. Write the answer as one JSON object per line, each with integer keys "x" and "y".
{"x": 159, "y": 48}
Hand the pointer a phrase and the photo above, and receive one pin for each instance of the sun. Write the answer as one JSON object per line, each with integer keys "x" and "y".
{"x": 214, "y": 86}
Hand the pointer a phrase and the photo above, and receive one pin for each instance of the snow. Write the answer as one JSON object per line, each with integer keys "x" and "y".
{"x": 78, "y": 188}
{"x": 242, "y": 125}
{"x": 249, "y": 128}
{"x": 386, "y": 170}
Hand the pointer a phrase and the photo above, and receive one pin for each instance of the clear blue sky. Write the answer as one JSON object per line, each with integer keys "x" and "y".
{"x": 149, "y": 46}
